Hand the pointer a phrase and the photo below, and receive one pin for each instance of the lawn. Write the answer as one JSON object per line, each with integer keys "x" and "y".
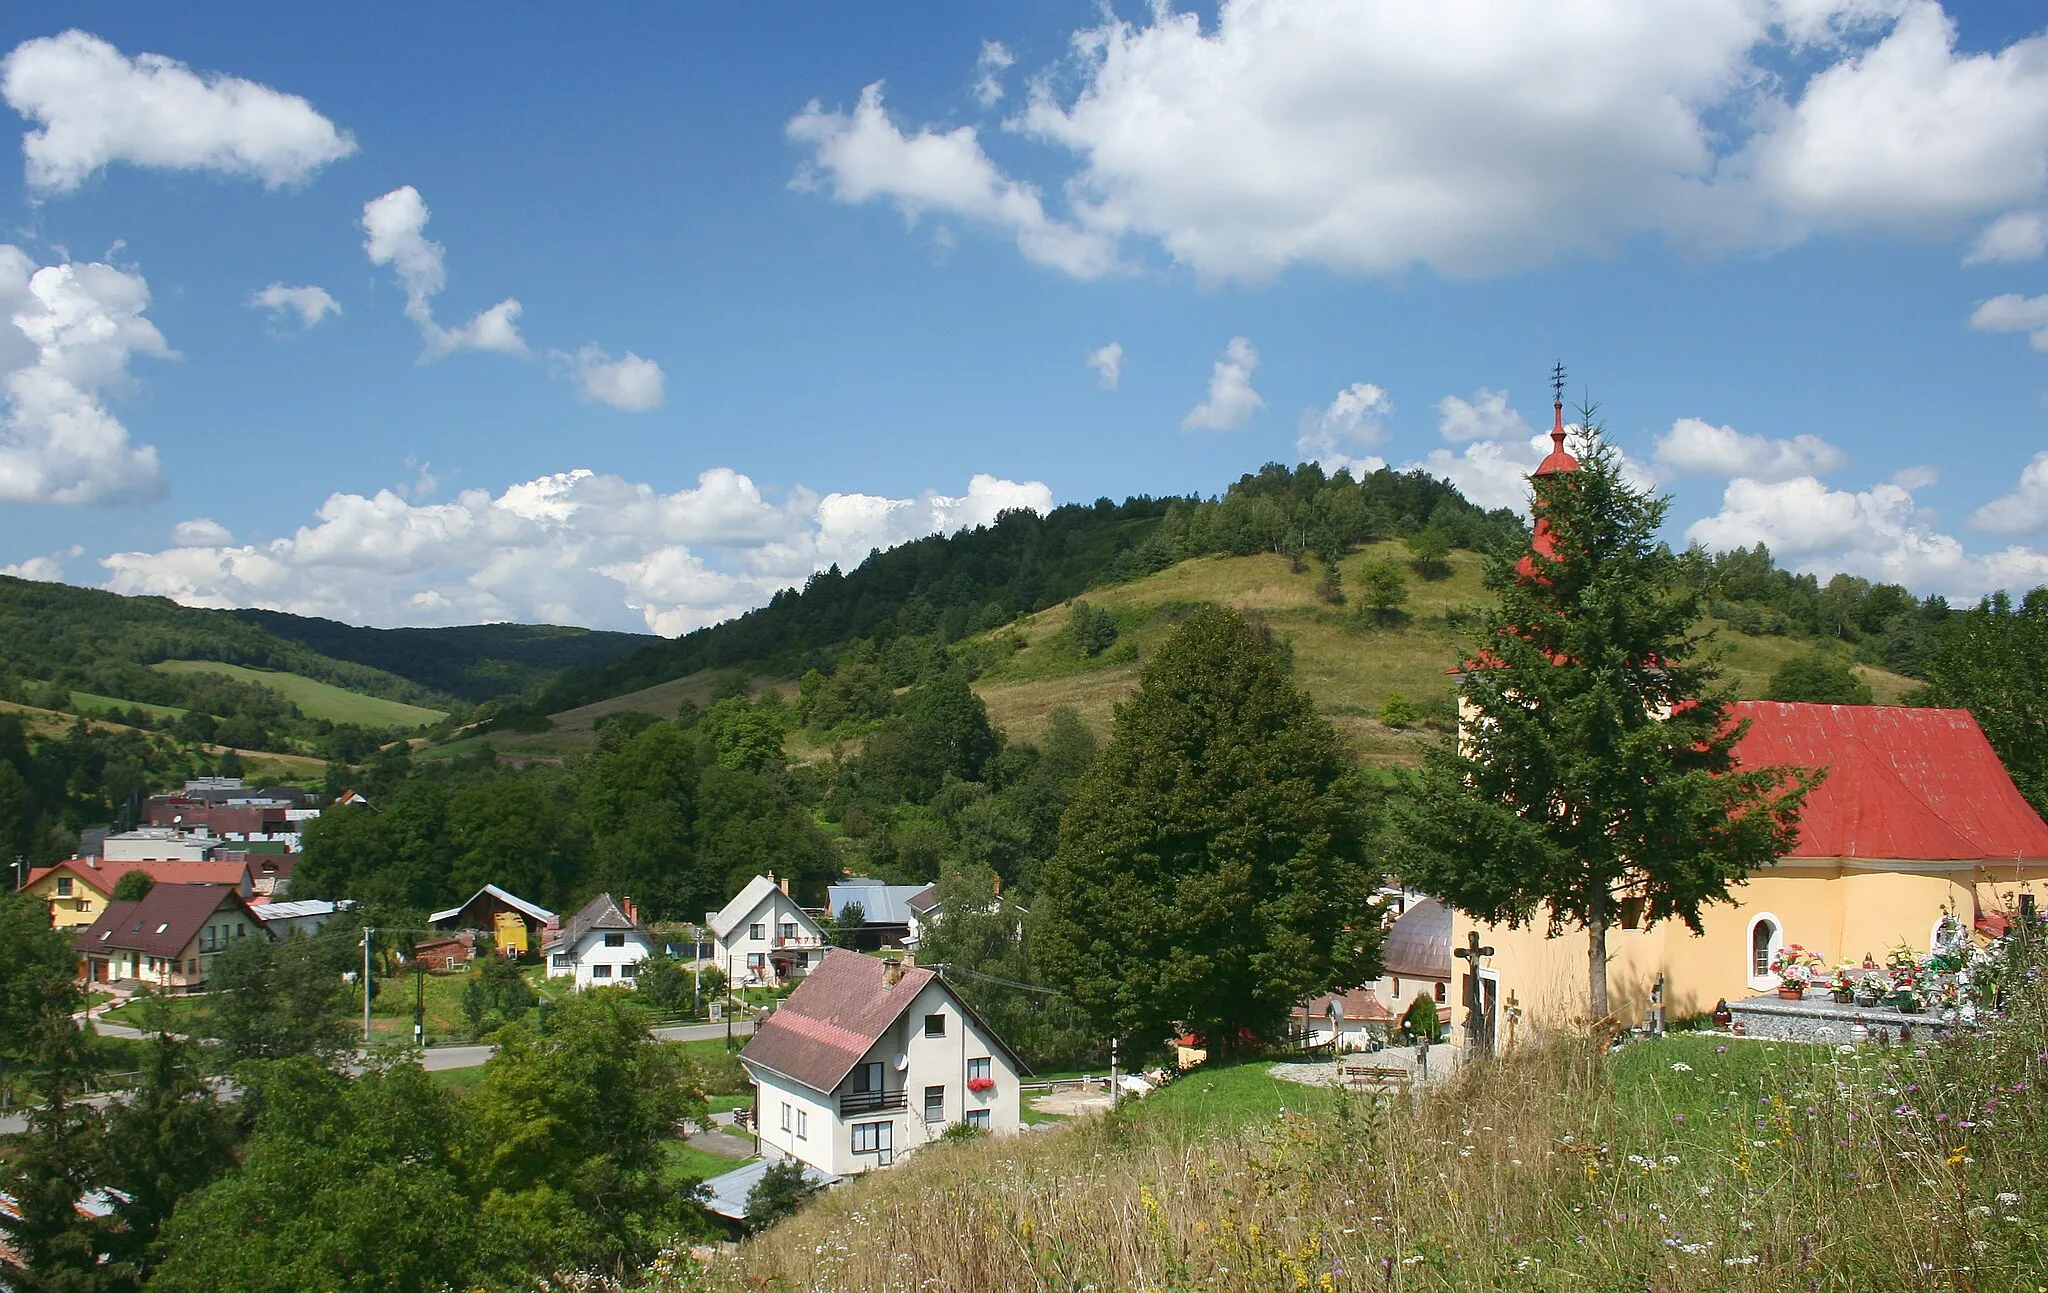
{"x": 86, "y": 702}
{"x": 317, "y": 699}
{"x": 187, "y": 1015}
{"x": 687, "y": 1163}
{"x": 461, "y": 1081}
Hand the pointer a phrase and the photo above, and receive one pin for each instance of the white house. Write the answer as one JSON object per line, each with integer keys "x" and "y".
{"x": 762, "y": 936}
{"x": 601, "y": 945}
{"x": 868, "y": 1060}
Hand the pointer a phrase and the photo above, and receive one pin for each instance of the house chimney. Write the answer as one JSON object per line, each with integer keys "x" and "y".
{"x": 999, "y": 886}
{"x": 892, "y": 972}
{"x": 785, "y": 886}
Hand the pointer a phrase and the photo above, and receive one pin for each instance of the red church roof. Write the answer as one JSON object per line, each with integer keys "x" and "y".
{"x": 1903, "y": 784}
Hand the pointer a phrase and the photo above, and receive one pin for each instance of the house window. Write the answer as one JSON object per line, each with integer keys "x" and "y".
{"x": 872, "y": 1137}
{"x": 192, "y": 966}
{"x": 978, "y": 1118}
{"x": 63, "y": 886}
{"x": 614, "y": 940}
{"x": 1766, "y": 936}
{"x": 2027, "y": 905}
{"x": 803, "y": 1124}
{"x": 977, "y": 1070}
{"x": 935, "y": 1025}
{"x": 757, "y": 931}
{"x": 600, "y": 971}
{"x": 788, "y": 929}
{"x": 871, "y": 1077}
{"x": 935, "y": 1104}
{"x": 755, "y": 960}
{"x": 1443, "y": 993}
{"x": 785, "y": 1115}
{"x": 626, "y": 970}
{"x": 561, "y": 960}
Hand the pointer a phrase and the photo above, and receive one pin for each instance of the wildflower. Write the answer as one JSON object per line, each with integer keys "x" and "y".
{"x": 2007, "y": 1199}
{"x": 1748, "y": 1260}
{"x": 1681, "y": 1067}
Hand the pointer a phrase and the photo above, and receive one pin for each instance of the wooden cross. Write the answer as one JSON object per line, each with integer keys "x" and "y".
{"x": 1475, "y": 1022}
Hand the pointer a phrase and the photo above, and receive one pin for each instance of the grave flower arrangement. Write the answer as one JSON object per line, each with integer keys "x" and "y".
{"x": 1796, "y": 968}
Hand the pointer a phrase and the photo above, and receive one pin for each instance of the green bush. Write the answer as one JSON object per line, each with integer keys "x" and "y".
{"x": 1420, "y": 1019}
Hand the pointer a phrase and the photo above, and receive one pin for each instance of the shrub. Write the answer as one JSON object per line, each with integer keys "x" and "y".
{"x": 780, "y": 1192}
{"x": 1397, "y": 711}
{"x": 134, "y": 886}
{"x": 1420, "y": 1019}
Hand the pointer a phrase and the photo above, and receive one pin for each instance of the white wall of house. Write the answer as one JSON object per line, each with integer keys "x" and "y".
{"x": 775, "y": 926}
{"x": 602, "y": 958}
{"x": 936, "y": 1065}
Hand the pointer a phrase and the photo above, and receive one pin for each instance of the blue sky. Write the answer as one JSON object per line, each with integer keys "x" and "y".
{"x": 1793, "y": 247}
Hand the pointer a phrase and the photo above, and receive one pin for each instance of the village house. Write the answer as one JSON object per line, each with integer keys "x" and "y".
{"x": 762, "y": 936}
{"x": 77, "y": 890}
{"x": 166, "y": 940}
{"x": 1415, "y": 959}
{"x": 156, "y": 844}
{"x": 887, "y": 917}
{"x": 1347, "y": 1021}
{"x": 517, "y": 927}
{"x": 869, "y": 1059}
{"x": 601, "y": 945}
{"x": 308, "y": 916}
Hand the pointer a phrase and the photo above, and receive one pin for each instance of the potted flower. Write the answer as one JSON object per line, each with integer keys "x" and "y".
{"x": 981, "y": 1085}
{"x": 1906, "y": 991}
{"x": 1843, "y": 985}
{"x": 1870, "y": 986}
{"x": 1796, "y": 968}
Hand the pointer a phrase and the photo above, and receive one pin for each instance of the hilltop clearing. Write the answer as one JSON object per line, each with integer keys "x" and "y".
{"x": 316, "y": 699}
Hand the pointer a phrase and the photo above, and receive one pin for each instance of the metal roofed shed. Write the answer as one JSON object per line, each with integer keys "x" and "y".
{"x": 727, "y": 1194}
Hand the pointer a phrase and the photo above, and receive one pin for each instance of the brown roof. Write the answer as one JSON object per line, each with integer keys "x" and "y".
{"x": 161, "y": 923}
{"x": 834, "y": 1017}
{"x": 601, "y": 912}
{"x": 1419, "y": 944}
{"x": 103, "y": 875}
{"x": 1359, "y": 1003}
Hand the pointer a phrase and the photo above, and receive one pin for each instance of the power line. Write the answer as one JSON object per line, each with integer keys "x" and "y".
{"x": 945, "y": 969}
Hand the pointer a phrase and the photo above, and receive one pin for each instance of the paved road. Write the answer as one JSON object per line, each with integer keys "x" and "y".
{"x": 439, "y": 1059}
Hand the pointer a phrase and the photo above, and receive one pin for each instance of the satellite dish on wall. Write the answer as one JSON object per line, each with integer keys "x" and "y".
{"x": 902, "y": 1063}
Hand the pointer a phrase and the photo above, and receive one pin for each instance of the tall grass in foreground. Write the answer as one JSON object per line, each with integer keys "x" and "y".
{"x": 1679, "y": 1165}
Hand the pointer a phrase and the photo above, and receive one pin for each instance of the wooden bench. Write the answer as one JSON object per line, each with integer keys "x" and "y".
{"x": 1376, "y": 1075}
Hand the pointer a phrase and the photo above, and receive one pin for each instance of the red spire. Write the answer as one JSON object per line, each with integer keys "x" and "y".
{"x": 1559, "y": 461}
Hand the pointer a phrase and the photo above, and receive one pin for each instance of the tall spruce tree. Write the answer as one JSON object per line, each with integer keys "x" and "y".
{"x": 1993, "y": 661}
{"x": 1596, "y": 760}
{"x": 1212, "y": 868}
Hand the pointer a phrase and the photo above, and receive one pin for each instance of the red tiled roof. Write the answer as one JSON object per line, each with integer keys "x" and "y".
{"x": 103, "y": 875}
{"x": 833, "y": 1019}
{"x": 162, "y": 922}
{"x": 1903, "y": 784}
{"x": 1362, "y": 1004}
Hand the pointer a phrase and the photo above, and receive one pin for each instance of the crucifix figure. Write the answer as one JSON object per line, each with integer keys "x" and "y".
{"x": 1478, "y": 1022}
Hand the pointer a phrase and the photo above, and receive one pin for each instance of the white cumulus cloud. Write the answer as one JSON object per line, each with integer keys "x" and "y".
{"x": 988, "y": 72}
{"x": 1372, "y": 136}
{"x": 2022, "y": 235}
{"x": 865, "y": 156}
{"x": 632, "y": 384}
{"x": 1231, "y": 400}
{"x": 1700, "y": 448}
{"x": 1495, "y": 473}
{"x": 395, "y": 225}
{"x": 1486, "y": 416}
{"x": 2014, "y": 313}
{"x": 70, "y": 330}
{"x": 574, "y": 547}
{"x": 96, "y": 106}
{"x": 1878, "y": 533}
{"x": 1354, "y": 420}
{"x": 1108, "y": 363}
{"x": 45, "y": 568}
{"x": 310, "y": 304}
{"x": 2022, "y": 511}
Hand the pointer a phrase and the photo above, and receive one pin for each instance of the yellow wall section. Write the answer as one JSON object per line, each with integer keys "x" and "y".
{"x": 64, "y": 912}
{"x": 509, "y": 931}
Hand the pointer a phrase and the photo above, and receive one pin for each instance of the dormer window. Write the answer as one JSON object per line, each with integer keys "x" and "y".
{"x": 63, "y": 886}
{"x": 614, "y": 940}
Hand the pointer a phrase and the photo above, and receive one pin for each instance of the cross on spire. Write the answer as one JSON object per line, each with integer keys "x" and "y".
{"x": 1557, "y": 382}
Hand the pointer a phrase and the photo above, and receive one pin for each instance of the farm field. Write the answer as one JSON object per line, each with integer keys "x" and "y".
{"x": 317, "y": 699}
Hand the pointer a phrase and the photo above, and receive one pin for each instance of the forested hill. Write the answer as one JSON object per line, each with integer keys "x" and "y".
{"x": 952, "y": 586}
{"x": 476, "y": 662}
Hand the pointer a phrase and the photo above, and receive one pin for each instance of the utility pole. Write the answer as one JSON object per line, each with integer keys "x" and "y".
{"x": 367, "y": 931}
{"x": 1112, "y": 1073}
{"x": 419, "y": 1003}
{"x": 18, "y": 866}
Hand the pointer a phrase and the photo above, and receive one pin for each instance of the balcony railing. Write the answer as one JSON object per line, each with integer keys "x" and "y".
{"x": 873, "y": 1101}
{"x": 799, "y": 940}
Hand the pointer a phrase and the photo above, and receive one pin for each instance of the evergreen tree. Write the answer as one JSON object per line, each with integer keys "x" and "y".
{"x": 1600, "y": 760}
{"x": 780, "y": 1191}
{"x": 169, "y": 1137}
{"x": 1212, "y": 866}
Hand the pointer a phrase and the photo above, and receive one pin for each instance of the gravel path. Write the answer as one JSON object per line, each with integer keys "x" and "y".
{"x": 1443, "y": 1061}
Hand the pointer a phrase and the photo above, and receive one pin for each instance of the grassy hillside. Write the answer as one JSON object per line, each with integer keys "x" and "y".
{"x": 1348, "y": 664}
{"x": 1686, "y": 1164}
{"x": 314, "y": 698}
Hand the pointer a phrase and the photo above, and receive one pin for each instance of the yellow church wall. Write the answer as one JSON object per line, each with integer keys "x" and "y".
{"x": 1836, "y": 912}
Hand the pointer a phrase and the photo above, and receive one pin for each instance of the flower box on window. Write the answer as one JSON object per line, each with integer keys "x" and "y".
{"x": 981, "y": 1086}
